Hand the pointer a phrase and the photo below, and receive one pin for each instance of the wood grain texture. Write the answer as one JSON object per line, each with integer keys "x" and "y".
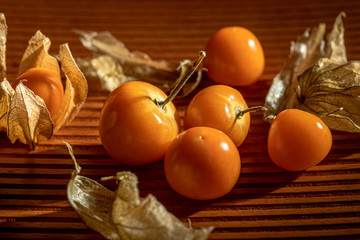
{"x": 267, "y": 202}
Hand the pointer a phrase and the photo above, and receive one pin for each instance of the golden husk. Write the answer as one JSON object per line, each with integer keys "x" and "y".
{"x": 318, "y": 78}
{"x": 113, "y": 64}
{"x": 123, "y": 214}
{"x": 23, "y": 115}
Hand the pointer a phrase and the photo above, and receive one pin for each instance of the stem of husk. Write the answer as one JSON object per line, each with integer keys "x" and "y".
{"x": 239, "y": 112}
{"x": 181, "y": 83}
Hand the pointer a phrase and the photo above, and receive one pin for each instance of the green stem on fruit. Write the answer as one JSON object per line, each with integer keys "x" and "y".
{"x": 239, "y": 112}
{"x": 182, "y": 82}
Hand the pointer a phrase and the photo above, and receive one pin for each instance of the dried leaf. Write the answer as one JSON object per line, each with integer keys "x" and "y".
{"x": 319, "y": 80}
{"x": 123, "y": 214}
{"x": 114, "y": 64}
{"x": 28, "y": 119}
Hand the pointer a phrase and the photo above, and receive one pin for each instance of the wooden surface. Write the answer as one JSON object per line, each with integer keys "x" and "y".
{"x": 267, "y": 202}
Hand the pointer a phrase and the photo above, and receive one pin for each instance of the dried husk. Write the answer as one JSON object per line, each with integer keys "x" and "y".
{"x": 37, "y": 55}
{"x": 114, "y": 65}
{"x": 3, "y": 38}
{"x": 91, "y": 200}
{"x": 332, "y": 91}
{"x": 76, "y": 89}
{"x": 319, "y": 79}
{"x": 303, "y": 54}
{"x": 123, "y": 214}
{"x": 23, "y": 115}
{"x": 5, "y": 90}
{"x": 28, "y": 120}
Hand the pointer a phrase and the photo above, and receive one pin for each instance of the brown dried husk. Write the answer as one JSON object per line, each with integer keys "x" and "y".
{"x": 332, "y": 91}
{"x": 123, "y": 214}
{"x": 319, "y": 80}
{"x": 28, "y": 118}
{"x": 113, "y": 64}
{"x": 3, "y": 37}
{"x": 5, "y": 90}
{"x": 23, "y": 115}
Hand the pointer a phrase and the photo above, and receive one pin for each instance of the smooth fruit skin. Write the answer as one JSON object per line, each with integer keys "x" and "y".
{"x": 46, "y": 84}
{"x": 216, "y": 106}
{"x": 298, "y": 140}
{"x": 234, "y": 57}
{"x": 202, "y": 163}
{"x": 133, "y": 129}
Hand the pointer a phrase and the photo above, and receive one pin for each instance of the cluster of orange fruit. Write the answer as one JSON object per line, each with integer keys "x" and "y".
{"x": 203, "y": 161}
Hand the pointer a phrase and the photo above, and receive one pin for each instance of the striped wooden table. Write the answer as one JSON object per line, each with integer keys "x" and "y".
{"x": 267, "y": 202}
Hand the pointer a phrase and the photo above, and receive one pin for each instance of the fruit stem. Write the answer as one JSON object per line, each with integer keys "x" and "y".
{"x": 181, "y": 83}
{"x": 239, "y": 112}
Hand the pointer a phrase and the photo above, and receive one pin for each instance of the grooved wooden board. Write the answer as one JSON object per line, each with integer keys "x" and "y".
{"x": 267, "y": 202}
